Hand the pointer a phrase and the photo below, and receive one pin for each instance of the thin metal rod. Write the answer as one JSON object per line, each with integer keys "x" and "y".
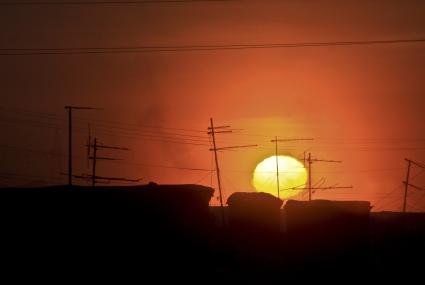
{"x": 406, "y": 185}
{"x": 309, "y": 176}
{"x": 70, "y": 146}
{"x": 94, "y": 162}
{"x": 277, "y": 168}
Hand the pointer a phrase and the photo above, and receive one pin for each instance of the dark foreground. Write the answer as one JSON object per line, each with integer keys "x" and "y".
{"x": 170, "y": 233}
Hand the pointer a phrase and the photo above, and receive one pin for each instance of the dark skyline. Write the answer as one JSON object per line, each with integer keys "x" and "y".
{"x": 362, "y": 104}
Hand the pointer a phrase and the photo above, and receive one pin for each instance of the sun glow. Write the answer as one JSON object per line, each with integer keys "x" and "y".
{"x": 292, "y": 175}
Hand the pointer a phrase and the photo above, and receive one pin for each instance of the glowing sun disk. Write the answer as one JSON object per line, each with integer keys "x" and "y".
{"x": 292, "y": 174}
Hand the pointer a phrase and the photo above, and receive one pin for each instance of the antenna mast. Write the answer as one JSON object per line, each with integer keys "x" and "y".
{"x": 69, "y": 109}
{"x": 96, "y": 147}
{"x": 310, "y": 188}
{"x": 275, "y": 141}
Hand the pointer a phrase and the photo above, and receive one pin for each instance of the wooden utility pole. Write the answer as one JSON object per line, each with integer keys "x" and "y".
{"x": 212, "y": 130}
{"x": 69, "y": 109}
{"x": 407, "y": 183}
{"x": 216, "y": 160}
{"x": 69, "y": 146}
{"x": 94, "y": 162}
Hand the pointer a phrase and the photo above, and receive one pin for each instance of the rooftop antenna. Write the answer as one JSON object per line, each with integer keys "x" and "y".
{"x": 310, "y": 188}
{"x": 95, "y": 146}
{"x": 275, "y": 141}
{"x": 318, "y": 185}
{"x": 69, "y": 109}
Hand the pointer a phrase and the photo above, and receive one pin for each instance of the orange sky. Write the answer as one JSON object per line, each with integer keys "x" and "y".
{"x": 362, "y": 104}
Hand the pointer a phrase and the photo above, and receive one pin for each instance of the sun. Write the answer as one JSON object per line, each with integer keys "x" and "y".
{"x": 292, "y": 174}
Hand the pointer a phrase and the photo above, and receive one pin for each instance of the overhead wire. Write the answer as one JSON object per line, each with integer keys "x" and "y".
{"x": 60, "y": 117}
{"x": 105, "y": 2}
{"x": 196, "y": 48}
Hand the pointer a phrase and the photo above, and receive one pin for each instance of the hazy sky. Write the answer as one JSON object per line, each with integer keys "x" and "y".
{"x": 363, "y": 105}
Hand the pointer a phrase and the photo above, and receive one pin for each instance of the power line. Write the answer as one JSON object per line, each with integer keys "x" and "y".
{"x": 189, "y": 48}
{"x": 164, "y": 166}
{"x": 166, "y": 137}
{"x": 114, "y": 134}
{"x": 325, "y": 172}
{"x": 141, "y": 125}
{"x": 156, "y": 139}
{"x": 162, "y": 138}
{"x": 29, "y": 177}
{"x": 126, "y": 2}
{"x": 395, "y": 191}
{"x": 135, "y": 127}
{"x": 55, "y": 116}
{"x": 15, "y": 148}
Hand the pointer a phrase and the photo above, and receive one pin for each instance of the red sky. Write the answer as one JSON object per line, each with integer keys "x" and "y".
{"x": 362, "y": 104}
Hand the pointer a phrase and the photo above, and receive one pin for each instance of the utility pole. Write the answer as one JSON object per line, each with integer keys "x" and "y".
{"x": 407, "y": 184}
{"x": 212, "y": 130}
{"x": 94, "y": 162}
{"x": 69, "y": 109}
{"x": 275, "y": 141}
{"x": 69, "y": 146}
{"x": 216, "y": 159}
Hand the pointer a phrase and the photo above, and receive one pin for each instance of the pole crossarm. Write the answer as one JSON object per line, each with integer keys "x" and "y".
{"x": 82, "y": 108}
{"x": 415, "y": 163}
{"x": 319, "y": 188}
{"x": 413, "y": 186}
{"x": 219, "y": 127}
{"x": 220, "y": 132}
{"x": 290, "y": 140}
{"x": 324, "y": 160}
{"x": 90, "y": 177}
{"x": 113, "y": 147}
{"x": 117, "y": 179}
{"x": 104, "y": 158}
{"x": 109, "y": 147}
